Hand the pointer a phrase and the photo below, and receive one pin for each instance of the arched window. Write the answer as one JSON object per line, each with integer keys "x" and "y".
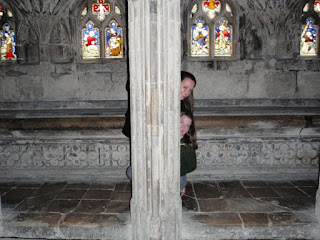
{"x": 7, "y": 36}
{"x": 309, "y": 38}
{"x": 102, "y": 34}
{"x": 211, "y": 28}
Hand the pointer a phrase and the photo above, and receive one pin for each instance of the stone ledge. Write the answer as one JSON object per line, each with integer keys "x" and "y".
{"x": 117, "y": 108}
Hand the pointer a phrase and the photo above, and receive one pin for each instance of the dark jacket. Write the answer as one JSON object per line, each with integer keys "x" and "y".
{"x": 188, "y": 160}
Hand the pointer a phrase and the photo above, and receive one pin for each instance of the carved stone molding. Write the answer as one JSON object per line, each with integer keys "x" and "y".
{"x": 217, "y": 154}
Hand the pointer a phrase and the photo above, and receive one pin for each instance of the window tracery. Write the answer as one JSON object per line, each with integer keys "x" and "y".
{"x": 211, "y": 24}
{"x": 8, "y": 51}
{"x": 102, "y": 34}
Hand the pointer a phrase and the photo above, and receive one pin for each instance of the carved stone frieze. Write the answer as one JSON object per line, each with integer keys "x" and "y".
{"x": 215, "y": 154}
{"x": 269, "y": 154}
{"x": 79, "y": 155}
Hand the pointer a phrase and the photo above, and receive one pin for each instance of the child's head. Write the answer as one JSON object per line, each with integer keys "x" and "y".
{"x": 187, "y": 129}
{"x": 185, "y": 123}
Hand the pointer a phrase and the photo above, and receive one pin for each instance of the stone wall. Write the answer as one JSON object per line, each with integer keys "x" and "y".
{"x": 53, "y": 105}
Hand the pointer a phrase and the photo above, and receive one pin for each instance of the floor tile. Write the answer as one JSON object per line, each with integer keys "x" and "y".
{"x": 7, "y": 184}
{"x": 50, "y": 188}
{"x": 254, "y": 184}
{"x": 249, "y": 205}
{"x": 235, "y": 193}
{"x": 97, "y": 194}
{"x": 62, "y": 206}
{"x": 29, "y": 185}
{"x": 92, "y": 206}
{"x": 280, "y": 184}
{"x": 230, "y": 184}
{"x": 219, "y": 219}
{"x": 205, "y": 190}
{"x": 310, "y": 191}
{"x": 121, "y": 196}
{"x": 17, "y": 195}
{"x": 94, "y": 220}
{"x": 255, "y": 219}
{"x": 189, "y": 203}
{"x": 118, "y": 207}
{"x": 4, "y": 190}
{"x": 34, "y": 204}
{"x": 213, "y": 205}
{"x": 122, "y": 187}
{"x": 305, "y": 183}
{"x": 292, "y": 203}
{"x": 108, "y": 186}
{"x": 71, "y": 194}
{"x": 288, "y": 218}
{"x": 78, "y": 185}
{"x": 290, "y": 192}
{"x": 37, "y": 219}
{"x": 262, "y": 192}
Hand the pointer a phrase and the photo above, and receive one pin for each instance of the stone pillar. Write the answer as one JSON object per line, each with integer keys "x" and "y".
{"x": 154, "y": 55}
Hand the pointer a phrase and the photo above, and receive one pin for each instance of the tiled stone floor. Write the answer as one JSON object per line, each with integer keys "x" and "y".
{"x": 217, "y": 203}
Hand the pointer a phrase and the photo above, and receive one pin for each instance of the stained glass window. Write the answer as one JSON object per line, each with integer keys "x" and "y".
{"x": 90, "y": 41}
{"x": 102, "y": 34}
{"x": 309, "y": 39}
{"x": 211, "y": 29}
{"x": 223, "y": 39}
{"x": 200, "y": 39}
{"x": 114, "y": 41}
{"x": 7, "y": 36}
{"x": 317, "y": 7}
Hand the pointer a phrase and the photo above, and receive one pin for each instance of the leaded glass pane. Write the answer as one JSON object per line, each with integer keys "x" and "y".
{"x": 8, "y": 43}
{"x": 117, "y": 10}
{"x": 306, "y": 7}
{"x": 90, "y": 41}
{"x": 228, "y": 8}
{"x": 211, "y": 8}
{"x": 194, "y": 9}
{"x": 84, "y": 12}
{"x": 317, "y": 7}
{"x": 10, "y": 13}
{"x": 223, "y": 38}
{"x": 101, "y": 9}
{"x": 309, "y": 39}
{"x": 114, "y": 41}
{"x": 200, "y": 39}
{"x": 1, "y": 12}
